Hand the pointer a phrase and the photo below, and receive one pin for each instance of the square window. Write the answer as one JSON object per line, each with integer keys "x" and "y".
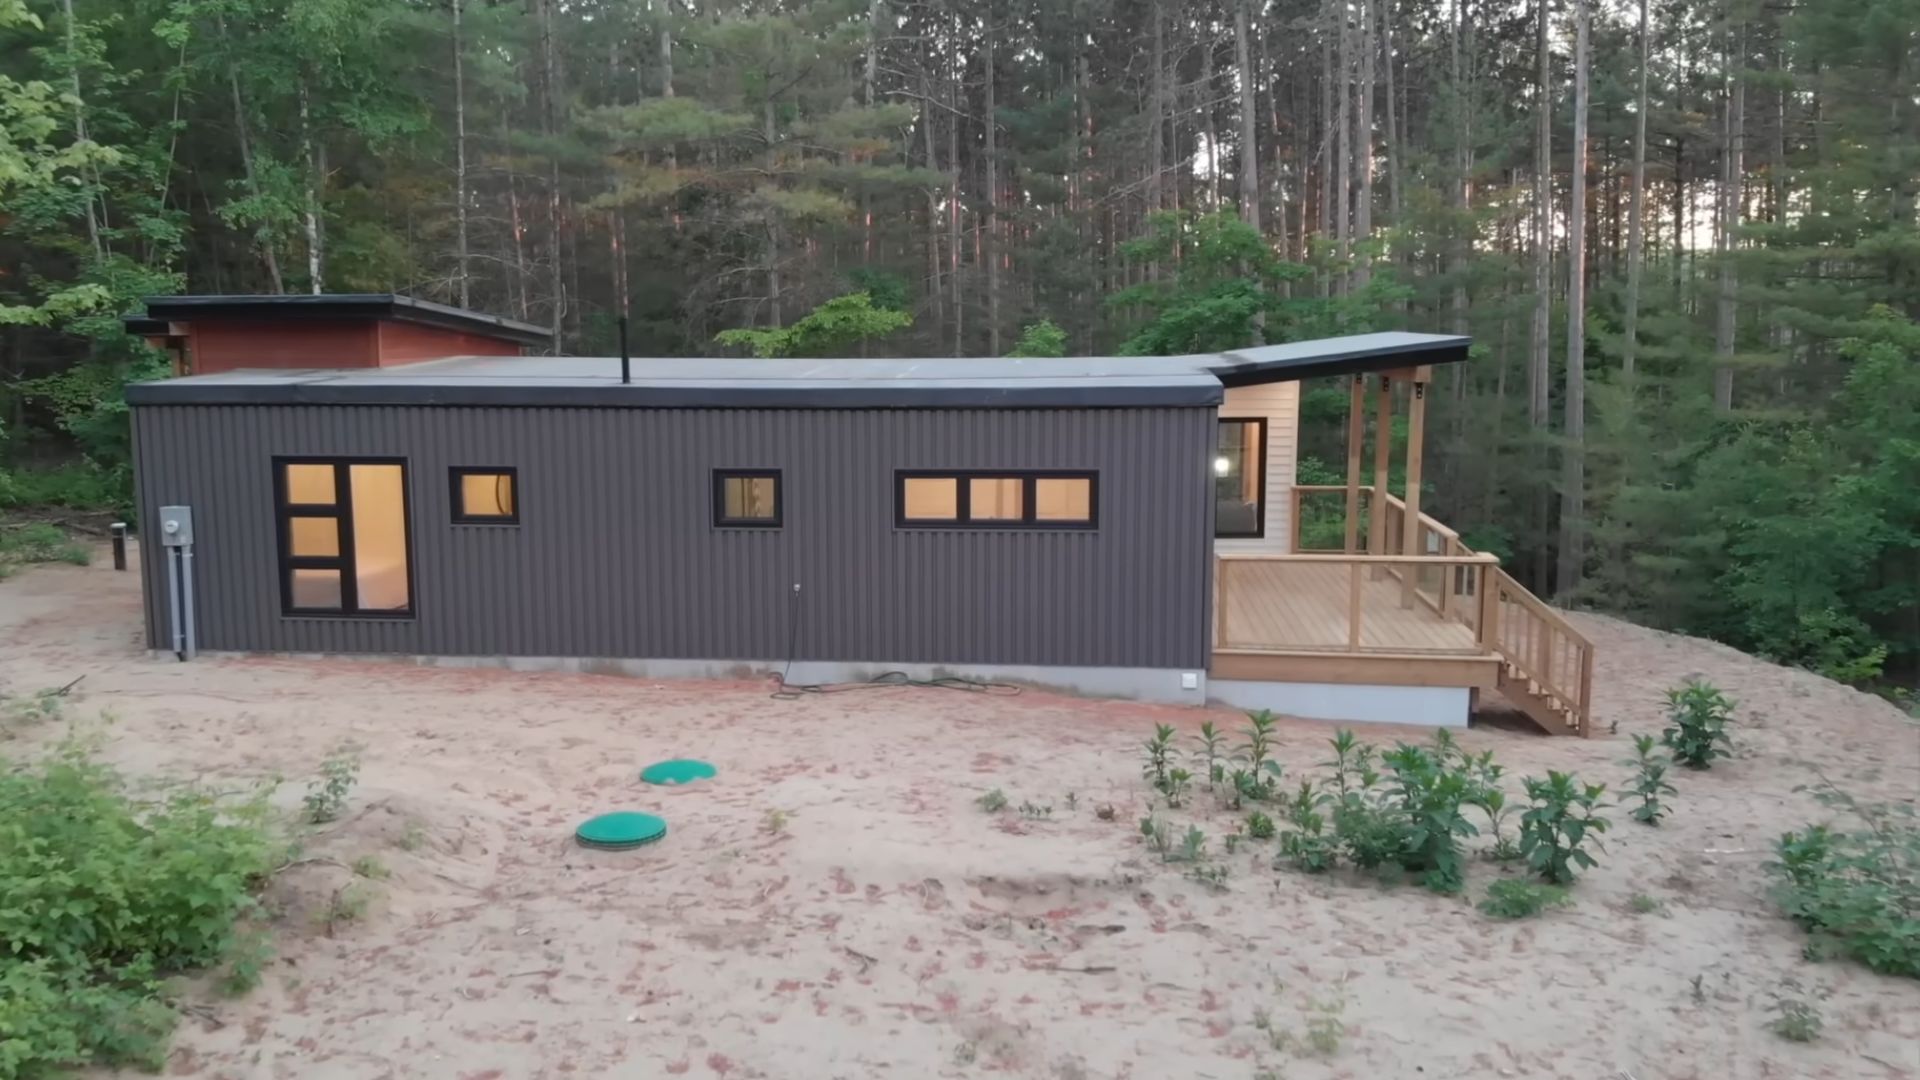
{"x": 994, "y": 498}
{"x": 1240, "y": 478}
{"x": 1067, "y": 499}
{"x": 313, "y": 537}
{"x": 485, "y": 496}
{"x": 746, "y": 498}
{"x": 316, "y": 590}
{"x": 310, "y": 485}
{"x": 930, "y": 498}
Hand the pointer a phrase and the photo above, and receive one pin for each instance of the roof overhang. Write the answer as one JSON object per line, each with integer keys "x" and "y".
{"x": 334, "y": 306}
{"x": 1352, "y": 355}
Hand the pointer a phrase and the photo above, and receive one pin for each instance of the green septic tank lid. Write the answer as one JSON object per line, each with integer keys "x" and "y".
{"x": 677, "y": 771}
{"x": 620, "y": 831}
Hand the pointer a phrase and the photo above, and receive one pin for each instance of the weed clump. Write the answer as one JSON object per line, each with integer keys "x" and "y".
{"x": 1510, "y": 898}
{"x": 1556, "y": 829}
{"x": 327, "y": 793}
{"x": 1857, "y": 893}
{"x": 1649, "y": 782}
{"x": 102, "y": 898}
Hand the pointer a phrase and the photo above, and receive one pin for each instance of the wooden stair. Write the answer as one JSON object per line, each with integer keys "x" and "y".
{"x": 1546, "y": 666}
{"x": 1539, "y": 704}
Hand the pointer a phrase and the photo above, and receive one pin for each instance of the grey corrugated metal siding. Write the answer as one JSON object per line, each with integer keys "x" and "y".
{"x": 616, "y": 555}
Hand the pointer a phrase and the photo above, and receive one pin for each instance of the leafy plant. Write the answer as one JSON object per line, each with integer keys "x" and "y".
{"x": 1259, "y": 826}
{"x": 1033, "y": 810}
{"x": 1856, "y": 892}
{"x": 1308, "y": 848}
{"x": 347, "y": 904}
{"x": 1159, "y": 839}
{"x": 1212, "y": 875}
{"x": 1193, "y": 844}
{"x": 1261, "y": 772}
{"x": 1159, "y": 757}
{"x": 1563, "y": 818}
{"x": 1510, "y": 898}
{"x": 1179, "y": 782}
{"x": 1431, "y": 793}
{"x": 993, "y": 801}
{"x": 1369, "y": 833}
{"x": 367, "y": 866}
{"x": 1306, "y": 802}
{"x": 38, "y": 707}
{"x": 1352, "y": 764}
{"x": 1795, "y": 1019}
{"x": 1696, "y": 732}
{"x": 828, "y": 330}
{"x": 327, "y": 793}
{"x": 38, "y": 542}
{"x": 1493, "y": 801}
{"x": 102, "y": 898}
{"x": 1649, "y": 782}
{"x": 1210, "y": 743}
{"x": 1642, "y": 904}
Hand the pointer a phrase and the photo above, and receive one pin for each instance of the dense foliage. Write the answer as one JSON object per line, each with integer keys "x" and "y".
{"x": 101, "y": 898}
{"x": 1856, "y": 891}
{"x": 1694, "y": 397}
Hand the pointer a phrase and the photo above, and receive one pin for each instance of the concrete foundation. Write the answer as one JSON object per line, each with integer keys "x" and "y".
{"x": 1425, "y": 706}
{"x": 1140, "y": 684}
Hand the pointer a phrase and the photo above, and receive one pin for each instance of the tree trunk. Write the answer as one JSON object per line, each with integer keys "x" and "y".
{"x": 80, "y": 134}
{"x": 550, "y": 122}
{"x": 1539, "y": 370}
{"x": 311, "y": 208}
{"x": 1249, "y": 90}
{"x": 992, "y": 248}
{"x": 1728, "y": 198}
{"x": 1363, "y": 145}
{"x": 1636, "y": 203}
{"x": 954, "y": 204}
{"x": 1328, "y": 144}
{"x": 1394, "y": 115}
{"x": 1343, "y": 182}
{"x": 666, "y": 50}
{"x": 240, "y": 131}
{"x": 1462, "y": 247}
{"x": 463, "y": 261}
{"x": 936, "y": 293}
{"x": 1573, "y": 456}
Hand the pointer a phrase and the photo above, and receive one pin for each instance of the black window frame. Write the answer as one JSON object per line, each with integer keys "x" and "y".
{"x": 1260, "y": 512}
{"x": 341, "y": 511}
{"x": 458, "y": 496}
{"x": 963, "y": 498}
{"x": 720, "y": 518}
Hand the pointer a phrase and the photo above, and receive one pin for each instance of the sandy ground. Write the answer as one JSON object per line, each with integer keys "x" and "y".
{"x": 836, "y": 905}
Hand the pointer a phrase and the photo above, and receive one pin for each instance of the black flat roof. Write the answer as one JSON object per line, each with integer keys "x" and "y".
{"x": 341, "y": 306}
{"x": 1042, "y": 382}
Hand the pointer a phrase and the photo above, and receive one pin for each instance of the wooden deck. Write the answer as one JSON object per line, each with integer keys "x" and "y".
{"x": 1303, "y": 606}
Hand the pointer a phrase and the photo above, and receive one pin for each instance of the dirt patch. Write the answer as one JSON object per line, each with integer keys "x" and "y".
{"x": 834, "y": 904}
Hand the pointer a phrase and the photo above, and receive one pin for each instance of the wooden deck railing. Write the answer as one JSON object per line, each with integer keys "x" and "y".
{"x": 1340, "y": 603}
{"x": 1536, "y": 642}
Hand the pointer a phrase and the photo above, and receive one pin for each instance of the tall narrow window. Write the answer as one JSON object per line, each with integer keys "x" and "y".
{"x": 343, "y": 537}
{"x": 485, "y": 496}
{"x": 746, "y": 498}
{"x": 1240, "y": 479}
{"x": 992, "y": 499}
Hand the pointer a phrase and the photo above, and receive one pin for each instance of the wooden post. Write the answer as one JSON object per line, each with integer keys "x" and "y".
{"x": 1489, "y": 609}
{"x": 1585, "y": 703}
{"x": 1356, "y": 440}
{"x": 1219, "y": 603}
{"x": 1416, "y": 452}
{"x": 1382, "y": 451}
{"x": 1353, "y": 607}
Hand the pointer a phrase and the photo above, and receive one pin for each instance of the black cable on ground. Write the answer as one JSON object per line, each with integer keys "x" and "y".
{"x": 792, "y": 691}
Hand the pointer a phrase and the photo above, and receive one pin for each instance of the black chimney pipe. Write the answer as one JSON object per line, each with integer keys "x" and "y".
{"x": 626, "y": 369}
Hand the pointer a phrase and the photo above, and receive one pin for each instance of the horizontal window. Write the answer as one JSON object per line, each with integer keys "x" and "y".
{"x": 485, "y": 496}
{"x": 994, "y": 499}
{"x": 343, "y": 537}
{"x": 746, "y": 498}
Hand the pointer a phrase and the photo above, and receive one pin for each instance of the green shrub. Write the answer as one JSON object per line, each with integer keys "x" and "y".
{"x": 101, "y": 897}
{"x": 1309, "y": 848}
{"x": 993, "y": 801}
{"x": 1555, "y": 830}
{"x": 1259, "y": 774}
{"x": 1259, "y": 826}
{"x": 1209, "y": 756}
{"x": 327, "y": 793}
{"x": 1697, "y": 730}
{"x": 1509, "y": 898}
{"x": 1649, "y": 782}
{"x": 1368, "y": 833}
{"x": 1159, "y": 759}
{"x": 1857, "y": 893}
{"x": 1430, "y": 789}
